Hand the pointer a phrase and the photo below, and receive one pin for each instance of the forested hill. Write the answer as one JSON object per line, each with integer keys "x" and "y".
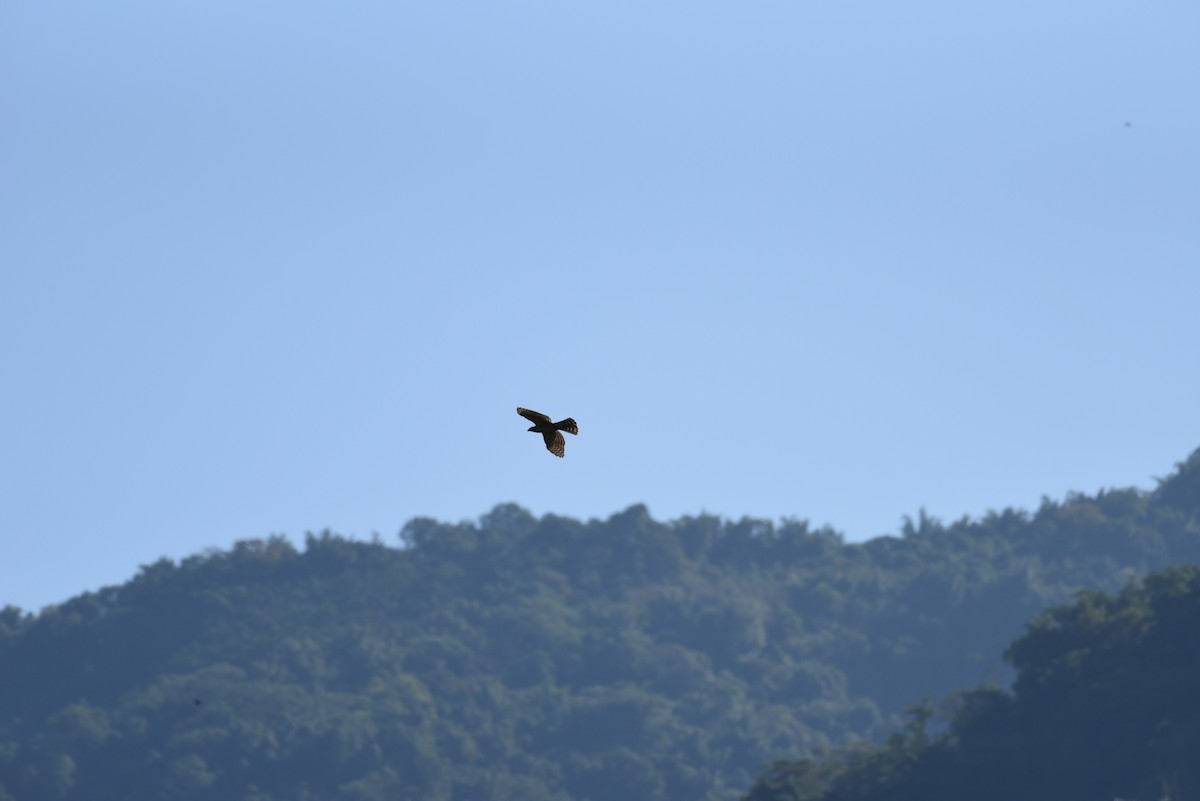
{"x": 525, "y": 658}
{"x": 1106, "y": 705}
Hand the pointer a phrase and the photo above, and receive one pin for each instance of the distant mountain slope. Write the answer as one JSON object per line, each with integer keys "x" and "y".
{"x": 1106, "y": 705}
{"x": 539, "y": 658}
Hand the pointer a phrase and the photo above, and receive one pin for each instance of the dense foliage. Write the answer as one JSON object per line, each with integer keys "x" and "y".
{"x": 1106, "y": 705}
{"x": 546, "y": 658}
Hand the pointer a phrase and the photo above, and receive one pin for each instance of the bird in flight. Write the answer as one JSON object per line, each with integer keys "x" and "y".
{"x": 550, "y": 431}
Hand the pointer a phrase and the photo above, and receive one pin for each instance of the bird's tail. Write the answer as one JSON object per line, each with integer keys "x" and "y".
{"x": 567, "y": 425}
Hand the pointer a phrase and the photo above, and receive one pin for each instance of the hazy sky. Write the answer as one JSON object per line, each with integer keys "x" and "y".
{"x": 272, "y": 267}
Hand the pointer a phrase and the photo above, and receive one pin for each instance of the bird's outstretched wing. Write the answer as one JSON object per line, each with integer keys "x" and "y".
{"x": 555, "y": 443}
{"x": 532, "y": 416}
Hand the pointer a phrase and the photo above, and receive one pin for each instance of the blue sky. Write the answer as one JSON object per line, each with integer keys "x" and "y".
{"x": 276, "y": 267}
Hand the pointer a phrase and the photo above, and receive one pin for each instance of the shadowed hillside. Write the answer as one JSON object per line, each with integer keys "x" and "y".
{"x": 1106, "y": 705}
{"x": 546, "y": 658}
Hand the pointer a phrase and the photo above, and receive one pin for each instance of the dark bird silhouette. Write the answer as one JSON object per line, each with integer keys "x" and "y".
{"x": 550, "y": 431}
{"x": 197, "y": 701}
{"x": 1128, "y": 124}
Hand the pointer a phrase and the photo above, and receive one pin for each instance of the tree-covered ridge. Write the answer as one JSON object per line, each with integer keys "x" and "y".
{"x": 530, "y": 658}
{"x": 1106, "y": 705}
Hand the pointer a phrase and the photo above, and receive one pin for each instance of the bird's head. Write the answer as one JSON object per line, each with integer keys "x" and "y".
{"x": 532, "y": 428}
